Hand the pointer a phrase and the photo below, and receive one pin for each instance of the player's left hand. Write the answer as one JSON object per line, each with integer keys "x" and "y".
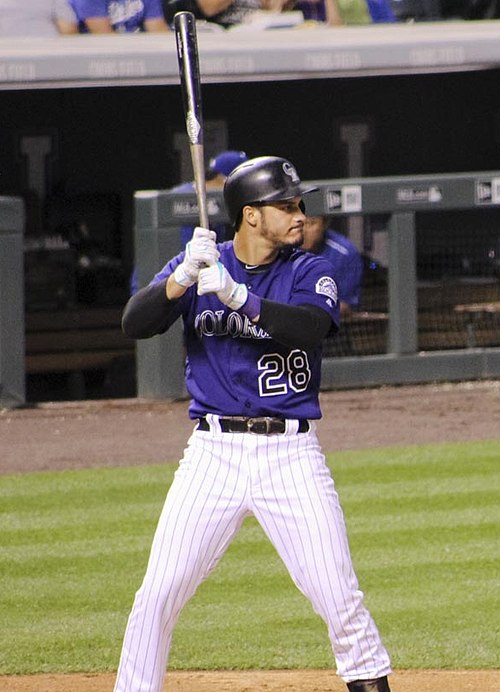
{"x": 217, "y": 279}
{"x": 200, "y": 251}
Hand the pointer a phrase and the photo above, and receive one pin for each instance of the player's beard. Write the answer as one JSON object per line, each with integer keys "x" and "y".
{"x": 292, "y": 238}
{"x": 299, "y": 242}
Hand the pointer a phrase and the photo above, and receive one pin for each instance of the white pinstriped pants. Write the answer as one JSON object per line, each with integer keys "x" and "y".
{"x": 284, "y": 482}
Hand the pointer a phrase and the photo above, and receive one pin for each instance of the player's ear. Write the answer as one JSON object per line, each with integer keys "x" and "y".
{"x": 250, "y": 214}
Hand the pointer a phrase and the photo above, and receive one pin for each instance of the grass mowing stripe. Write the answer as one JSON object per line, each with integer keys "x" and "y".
{"x": 73, "y": 528}
{"x": 428, "y": 488}
{"x": 406, "y": 555}
{"x": 93, "y": 548}
{"x": 428, "y": 562}
{"x": 441, "y": 458}
{"x": 422, "y": 517}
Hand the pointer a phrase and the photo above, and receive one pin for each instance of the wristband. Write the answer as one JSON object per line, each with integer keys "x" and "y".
{"x": 251, "y": 308}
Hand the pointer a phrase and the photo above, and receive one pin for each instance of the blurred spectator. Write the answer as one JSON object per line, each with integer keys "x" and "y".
{"x": 332, "y": 12}
{"x": 326, "y": 11}
{"x": 121, "y": 16}
{"x": 219, "y": 167}
{"x": 344, "y": 256}
{"x": 226, "y": 13}
{"x": 37, "y": 18}
{"x": 381, "y": 11}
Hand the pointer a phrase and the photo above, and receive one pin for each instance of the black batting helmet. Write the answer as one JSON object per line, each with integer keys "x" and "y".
{"x": 260, "y": 180}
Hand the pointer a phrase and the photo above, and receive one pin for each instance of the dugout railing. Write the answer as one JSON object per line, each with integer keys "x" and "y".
{"x": 160, "y": 214}
{"x": 12, "y": 374}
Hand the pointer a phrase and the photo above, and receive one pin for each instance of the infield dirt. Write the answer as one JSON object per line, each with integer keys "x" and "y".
{"x": 125, "y": 432}
{"x": 263, "y": 681}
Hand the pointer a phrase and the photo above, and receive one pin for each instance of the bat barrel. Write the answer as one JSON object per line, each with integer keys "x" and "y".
{"x": 189, "y": 71}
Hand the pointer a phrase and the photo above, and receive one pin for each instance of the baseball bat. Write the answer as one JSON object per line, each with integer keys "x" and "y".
{"x": 189, "y": 72}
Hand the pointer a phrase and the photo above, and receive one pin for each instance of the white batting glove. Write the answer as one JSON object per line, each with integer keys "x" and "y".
{"x": 216, "y": 279}
{"x": 201, "y": 251}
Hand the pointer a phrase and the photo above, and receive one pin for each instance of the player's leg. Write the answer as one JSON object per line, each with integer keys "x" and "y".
{"x": 298, "y": 507}
{"x": 203, "y": 510}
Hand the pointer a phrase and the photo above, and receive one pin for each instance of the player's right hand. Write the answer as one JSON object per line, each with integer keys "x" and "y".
{"x": 216, "y": 279}
{"x": 201, "y": 251}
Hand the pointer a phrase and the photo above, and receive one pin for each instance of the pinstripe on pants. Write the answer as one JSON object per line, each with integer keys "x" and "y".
{"x": 284, "y": 482}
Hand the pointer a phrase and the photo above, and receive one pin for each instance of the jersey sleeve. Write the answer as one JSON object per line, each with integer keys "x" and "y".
{"x": 168, "y": 269}
{"x": 314, "y": 284}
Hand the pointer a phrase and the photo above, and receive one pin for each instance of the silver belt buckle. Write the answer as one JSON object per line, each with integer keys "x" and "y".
{"x": 252, "y": 422}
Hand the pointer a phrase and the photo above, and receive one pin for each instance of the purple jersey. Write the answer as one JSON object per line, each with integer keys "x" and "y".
{"x": 234, "y": 367}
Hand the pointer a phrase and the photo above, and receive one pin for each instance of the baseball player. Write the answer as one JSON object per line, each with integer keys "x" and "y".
{"x": 255, "y": 312}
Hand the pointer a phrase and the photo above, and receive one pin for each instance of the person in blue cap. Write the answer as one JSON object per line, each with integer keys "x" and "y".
{"x": 219, "y": 167}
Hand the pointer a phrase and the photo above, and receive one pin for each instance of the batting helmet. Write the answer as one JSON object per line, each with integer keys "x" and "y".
{"x": 260, "y": 180}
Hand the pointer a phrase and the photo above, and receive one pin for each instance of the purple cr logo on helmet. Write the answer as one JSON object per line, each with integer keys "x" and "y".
{"x": 260, "y": 180}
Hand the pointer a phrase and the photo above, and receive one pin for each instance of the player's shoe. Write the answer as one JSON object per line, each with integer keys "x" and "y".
{"x": 378, "y": 685}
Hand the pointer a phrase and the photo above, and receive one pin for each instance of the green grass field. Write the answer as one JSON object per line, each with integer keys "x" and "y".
{"x": 424, "y": 529}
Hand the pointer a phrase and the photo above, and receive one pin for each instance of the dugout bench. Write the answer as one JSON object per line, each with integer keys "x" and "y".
{"x": 70, "y": 341}
{"x": 482, "y": 321}
{"x": 75, "y": 341}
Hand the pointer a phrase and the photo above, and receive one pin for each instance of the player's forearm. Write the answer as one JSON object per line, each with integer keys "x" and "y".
{"x": 174, "y": 290}
{"x": 302, "y": 327}
{"x": 148, "y": 312}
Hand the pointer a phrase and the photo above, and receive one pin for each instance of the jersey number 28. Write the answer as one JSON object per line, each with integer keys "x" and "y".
{"x": 280, "y": 374}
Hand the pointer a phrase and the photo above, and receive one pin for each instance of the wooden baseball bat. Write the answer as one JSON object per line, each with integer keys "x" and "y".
{"x": 189, "y": 72}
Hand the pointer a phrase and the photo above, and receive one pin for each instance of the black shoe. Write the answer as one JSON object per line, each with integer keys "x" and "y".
{"x": 378, "y": 685}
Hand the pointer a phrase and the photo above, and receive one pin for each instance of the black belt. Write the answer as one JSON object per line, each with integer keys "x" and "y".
{"x": 259, "y": 426}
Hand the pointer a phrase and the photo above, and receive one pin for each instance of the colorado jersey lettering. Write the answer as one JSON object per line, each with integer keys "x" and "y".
{"x": 222, "y": 323}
